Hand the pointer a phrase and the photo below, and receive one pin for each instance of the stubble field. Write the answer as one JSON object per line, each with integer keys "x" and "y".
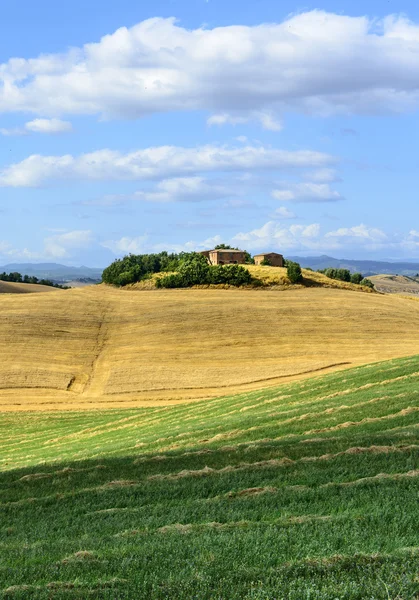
{"x": 109, "y": 348}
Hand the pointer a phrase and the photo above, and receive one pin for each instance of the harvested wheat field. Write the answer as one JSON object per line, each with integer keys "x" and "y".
{"x": 104, "y": 347}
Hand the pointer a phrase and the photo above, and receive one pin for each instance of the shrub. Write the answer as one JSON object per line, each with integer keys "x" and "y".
{"x": 367, "y": 283}
{"x": 197, "y": 272}
{"x": 294, "y": 272}
{"x": 266, "y": 262}
{"x": 340, "y": 274}
{"x": 171, "y": 281}
{"x": 356, "y": 278}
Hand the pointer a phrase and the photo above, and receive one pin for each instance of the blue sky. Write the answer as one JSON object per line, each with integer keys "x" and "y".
{"x": 136, "y": 127}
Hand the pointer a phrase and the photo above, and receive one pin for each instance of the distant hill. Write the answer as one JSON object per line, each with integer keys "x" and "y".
{"x": 366, "y": 267}
{"x": 56, "y": 272}
{"x": 396, "y": 284}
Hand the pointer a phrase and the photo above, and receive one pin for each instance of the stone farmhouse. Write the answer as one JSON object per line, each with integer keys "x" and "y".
{"x": 225, "y": 257}
{"x": 274, "y": 259}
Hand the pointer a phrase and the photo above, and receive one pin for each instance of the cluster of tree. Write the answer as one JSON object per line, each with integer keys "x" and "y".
{"x": 135, "y": 267}
{"x": 346, "y": 275}
{"x": 194, "y": 269}
{"x": 16, "y": 277}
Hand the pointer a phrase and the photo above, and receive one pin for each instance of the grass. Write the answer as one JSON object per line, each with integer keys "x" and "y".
{"x": 101, "y": 347}
{"x": 302, "y": 491}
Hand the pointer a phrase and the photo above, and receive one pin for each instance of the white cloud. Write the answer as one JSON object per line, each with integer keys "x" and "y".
{"x": 127, "y": 245}
{"x": 283, "y": 213}
{"x": 359, "y": 232}
{"x": 155, "y": 163}
{"x": 306, "y": 192}
{"x": 265, "y": 118}
{"x": 314, "y": 62}
{"x": 186, "y": 189}
{"x": 275, "y": 236}
{"x": 61, "y": 245}
{"x": 49, "y": 126}
{"x": 40, "y": 126}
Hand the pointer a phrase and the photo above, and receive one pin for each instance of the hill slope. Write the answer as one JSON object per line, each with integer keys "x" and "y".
{"x": 102, "y": 347}
{"x": 396, "y": 284}
{"x": 308, "y": 490}
{"x": 8, "y": 287}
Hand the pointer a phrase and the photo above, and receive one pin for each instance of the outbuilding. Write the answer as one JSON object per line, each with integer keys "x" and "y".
{"x": 273, "y": 258}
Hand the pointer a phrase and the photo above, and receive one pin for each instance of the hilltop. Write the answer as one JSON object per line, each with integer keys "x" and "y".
{"x": 107, "y": 347}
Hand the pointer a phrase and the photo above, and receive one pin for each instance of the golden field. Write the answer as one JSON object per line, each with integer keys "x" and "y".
{"x": 104, "y": 347}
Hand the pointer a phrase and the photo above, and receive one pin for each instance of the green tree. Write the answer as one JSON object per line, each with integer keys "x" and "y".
{"x": 367, "y": 283}
{"x": 294, "y": 272}
{"x": 356, "y": 278}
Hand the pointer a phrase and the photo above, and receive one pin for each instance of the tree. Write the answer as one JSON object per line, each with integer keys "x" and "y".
{"x": 367, "y": 282}
{"x": 356, "y": 278}
{"x": 294, "y": 272}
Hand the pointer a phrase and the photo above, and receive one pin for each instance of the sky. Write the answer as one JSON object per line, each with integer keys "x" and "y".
{"x": 176, "y": 125}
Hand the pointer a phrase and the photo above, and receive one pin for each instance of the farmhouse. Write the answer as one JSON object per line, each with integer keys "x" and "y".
{"x": 273, "y": 258}
{"x": 225, "y": 256}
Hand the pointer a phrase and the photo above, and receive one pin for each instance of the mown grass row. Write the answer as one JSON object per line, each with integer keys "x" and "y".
{"x": 309, "y": 490}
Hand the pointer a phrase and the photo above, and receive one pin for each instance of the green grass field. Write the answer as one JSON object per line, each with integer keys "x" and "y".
{"x": 305, "y": 491}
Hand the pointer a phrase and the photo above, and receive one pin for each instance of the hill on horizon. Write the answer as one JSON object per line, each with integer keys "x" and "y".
{"x": 366, "y": 267}
{"x": 54, "y": 271}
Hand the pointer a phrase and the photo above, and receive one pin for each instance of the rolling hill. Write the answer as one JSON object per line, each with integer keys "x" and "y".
{"x": 104, "y": 347}
{"x": 306, "y": 490}
{"x": 8, "y": 287}
{"x": 396, "y": 284}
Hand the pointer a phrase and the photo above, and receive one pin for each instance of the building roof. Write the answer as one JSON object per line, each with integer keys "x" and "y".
{"x": 268, "y": 254}
{"x": 229, "y": 250}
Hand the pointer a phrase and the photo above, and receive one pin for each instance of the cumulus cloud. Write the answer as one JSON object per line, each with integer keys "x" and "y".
{"x": 61, "y": 245}
{"x": 40, "y": 126}
{"x": 127, "y": 245}
{"x": 274, "y": 235}
{"x": 359, "y": 232}
{"x": 306, "y": 192}
{"x": 314, "y": 62}
{"x": 156, "y": 163}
